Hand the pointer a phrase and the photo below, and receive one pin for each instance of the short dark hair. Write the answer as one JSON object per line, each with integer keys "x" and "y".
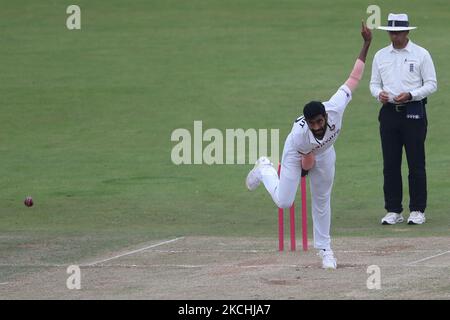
{"x": 313, "y": 109}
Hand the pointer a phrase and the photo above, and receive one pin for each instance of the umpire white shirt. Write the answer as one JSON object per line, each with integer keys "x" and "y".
{"x": 409, "y": 69}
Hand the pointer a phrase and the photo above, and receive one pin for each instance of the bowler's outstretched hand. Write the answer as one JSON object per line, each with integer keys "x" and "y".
{"x": 365, "y": 32}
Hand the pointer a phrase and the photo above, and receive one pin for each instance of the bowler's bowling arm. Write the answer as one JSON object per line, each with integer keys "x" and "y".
{"x": 358, "y": 68}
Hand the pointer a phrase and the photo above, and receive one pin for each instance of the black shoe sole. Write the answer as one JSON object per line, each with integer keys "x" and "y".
{"x": 389, "y": 224}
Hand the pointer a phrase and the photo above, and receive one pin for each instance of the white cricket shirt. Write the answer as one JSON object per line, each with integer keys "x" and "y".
{"x": 303, "y": 140}
{"x": 410, "y": 69}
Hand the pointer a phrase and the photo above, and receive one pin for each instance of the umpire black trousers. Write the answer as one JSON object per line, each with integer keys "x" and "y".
{"x": 398, "y": 132}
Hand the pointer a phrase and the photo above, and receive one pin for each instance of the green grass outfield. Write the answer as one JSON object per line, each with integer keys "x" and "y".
{"x": 86, "y": 116}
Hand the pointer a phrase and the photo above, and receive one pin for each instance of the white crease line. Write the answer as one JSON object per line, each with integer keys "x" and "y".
{"x": 43, "y": 265}
{"x": 427, "y": 258}
{"x": 99, "y": 265}
{"x": 214, "y": 251}
{"x": 191, "y": 266}
{"x": 276, "y": 251}
{"x": 131, "y": 252}
{"x": 3, "y": 283}
{"x": 381, "y": 251}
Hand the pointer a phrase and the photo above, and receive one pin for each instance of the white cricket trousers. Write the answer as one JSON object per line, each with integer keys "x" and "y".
{"x": 321, "y": 177}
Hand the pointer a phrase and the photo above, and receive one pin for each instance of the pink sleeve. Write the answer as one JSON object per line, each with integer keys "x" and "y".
{"x": 355, "y": 75}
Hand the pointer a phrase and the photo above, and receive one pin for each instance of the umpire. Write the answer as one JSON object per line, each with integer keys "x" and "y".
{"x": 403, "y": 76}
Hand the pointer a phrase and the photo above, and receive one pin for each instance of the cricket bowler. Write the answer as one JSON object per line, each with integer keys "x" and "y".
{"x": 309, "y": 150}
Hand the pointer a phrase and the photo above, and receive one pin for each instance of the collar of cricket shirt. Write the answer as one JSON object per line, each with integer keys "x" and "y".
{"x": 407, "y": 48}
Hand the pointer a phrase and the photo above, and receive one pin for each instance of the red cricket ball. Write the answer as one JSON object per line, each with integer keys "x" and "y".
{"x": 28, "y": 201}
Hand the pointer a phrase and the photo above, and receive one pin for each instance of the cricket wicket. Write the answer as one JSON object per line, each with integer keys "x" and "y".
{"x": 292, "y": 220}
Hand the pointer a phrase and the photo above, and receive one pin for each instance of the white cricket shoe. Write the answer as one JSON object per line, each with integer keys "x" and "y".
{"x": 328, "y": 260}
{"x": 254, "y": 176}
{"x": 416, "y": 217}
{"x": 392, "y": 218}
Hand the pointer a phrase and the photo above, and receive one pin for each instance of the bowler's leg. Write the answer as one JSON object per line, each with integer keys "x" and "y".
{"x": 283, "y": 189}
{"x": 321, "y": 183}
